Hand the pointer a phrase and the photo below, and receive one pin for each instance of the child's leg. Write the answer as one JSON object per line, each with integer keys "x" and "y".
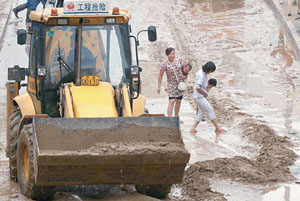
{"x": 212, "y": 116}
{"x": 199, "y": 114}
{"x": 195, "y": 124}
{"x": 216, "y": 125}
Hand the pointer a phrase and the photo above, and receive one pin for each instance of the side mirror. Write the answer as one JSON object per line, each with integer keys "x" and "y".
{"x": 21, "y": 36}
{"x": 152, "y": 36}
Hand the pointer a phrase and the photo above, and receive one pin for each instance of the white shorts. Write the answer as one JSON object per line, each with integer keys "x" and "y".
{"x": 204, "y": 108}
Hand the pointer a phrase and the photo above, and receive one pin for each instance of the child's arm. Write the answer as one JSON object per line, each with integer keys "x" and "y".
{"x": 204, "y": 93}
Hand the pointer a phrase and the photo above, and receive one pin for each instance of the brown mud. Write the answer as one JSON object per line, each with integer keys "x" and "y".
{"x": 126, "y": 148}
{"x": 223, "y": 31}
{"x": 270, "y": 166}
{"x": 137, "y": 148}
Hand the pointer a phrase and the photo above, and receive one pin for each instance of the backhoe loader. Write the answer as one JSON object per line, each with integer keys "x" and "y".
{"x": 81, "y": 119}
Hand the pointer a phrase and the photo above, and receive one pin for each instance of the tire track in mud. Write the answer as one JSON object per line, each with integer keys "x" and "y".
{"x": 181, "y": 41}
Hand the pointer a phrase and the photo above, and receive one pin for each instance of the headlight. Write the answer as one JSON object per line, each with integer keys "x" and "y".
{"x": 135, "y": 71}
{"x": 42, "y": 72}
{"x": 110, "y": 20}
{"x": 62, "y": 21}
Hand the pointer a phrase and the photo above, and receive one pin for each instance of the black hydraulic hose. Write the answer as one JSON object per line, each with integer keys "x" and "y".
{"x": 60, "y": 70}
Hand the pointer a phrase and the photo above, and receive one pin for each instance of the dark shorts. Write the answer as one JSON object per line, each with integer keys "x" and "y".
{"x": 179, "y": 98}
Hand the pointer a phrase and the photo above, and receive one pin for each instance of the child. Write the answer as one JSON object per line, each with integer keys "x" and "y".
{"x": 201, "y": 89}
{"x": 211, "y": 83}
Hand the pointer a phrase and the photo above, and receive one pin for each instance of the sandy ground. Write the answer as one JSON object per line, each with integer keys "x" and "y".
{"x": 256, "y": 100}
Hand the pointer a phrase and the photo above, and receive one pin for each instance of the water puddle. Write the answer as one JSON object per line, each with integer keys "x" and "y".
{"x": 285, "y": 193}
{"x": 203, "y": 145}
{"x": 236, "y": 192}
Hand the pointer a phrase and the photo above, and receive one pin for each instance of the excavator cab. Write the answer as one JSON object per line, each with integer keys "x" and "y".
{"x": 82, "y": 118}
{"x": 83, "y": 54}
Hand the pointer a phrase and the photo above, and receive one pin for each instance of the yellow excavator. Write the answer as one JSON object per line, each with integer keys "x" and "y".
{"x": 82, "y": 119}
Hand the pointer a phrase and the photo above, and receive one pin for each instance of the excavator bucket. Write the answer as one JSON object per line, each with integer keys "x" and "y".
{"x": 133, "y": 150}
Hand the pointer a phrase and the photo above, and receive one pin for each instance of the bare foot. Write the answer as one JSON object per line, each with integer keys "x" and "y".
{"x": 220, "y": 131}
{"x": 193, "y": 131}
{"x": 217, "y": 138}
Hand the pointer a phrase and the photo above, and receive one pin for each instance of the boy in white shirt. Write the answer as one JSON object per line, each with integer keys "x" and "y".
{"x": 201, "y": 88}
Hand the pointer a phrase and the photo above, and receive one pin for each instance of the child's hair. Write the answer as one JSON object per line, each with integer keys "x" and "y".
{"x": 188, "y": 65}
{"x": 212, "y": 82}
{"x": 169, "y": 50}
{"x": 209, "y": 67}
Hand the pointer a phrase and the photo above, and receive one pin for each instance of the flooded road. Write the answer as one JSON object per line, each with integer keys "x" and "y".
{"x": 257, "y": 98}
{"x": 258, "y": 92}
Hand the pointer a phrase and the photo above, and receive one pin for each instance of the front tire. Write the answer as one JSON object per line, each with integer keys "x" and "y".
{"x": 14, "y": 122}
{"x": 157, "y": 191}
{"x": 25, "y": 166}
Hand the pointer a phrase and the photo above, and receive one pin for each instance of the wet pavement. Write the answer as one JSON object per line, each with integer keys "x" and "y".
{"x": 256, "y": 72}
{"x": 4, "y": 16}
{"x": 291, "y": 24}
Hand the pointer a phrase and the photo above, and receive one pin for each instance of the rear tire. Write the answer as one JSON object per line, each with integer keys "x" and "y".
{"x": 25, "y": 166}
{"x": 14, "y": 122}
{"x": 157, "y": 191}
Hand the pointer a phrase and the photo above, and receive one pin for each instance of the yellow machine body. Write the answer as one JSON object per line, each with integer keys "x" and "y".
{"x": 94, "y": 133}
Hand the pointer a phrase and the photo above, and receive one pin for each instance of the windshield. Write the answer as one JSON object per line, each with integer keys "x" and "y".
{"x": 104, "y": 52}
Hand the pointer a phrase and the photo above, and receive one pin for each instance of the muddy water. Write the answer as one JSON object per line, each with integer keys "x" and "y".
{"x": 286, "y": 193}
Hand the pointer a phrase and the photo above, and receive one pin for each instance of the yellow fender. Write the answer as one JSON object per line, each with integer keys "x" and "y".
{"x": 25, "y": 104}
{"x": 139, "y": 106}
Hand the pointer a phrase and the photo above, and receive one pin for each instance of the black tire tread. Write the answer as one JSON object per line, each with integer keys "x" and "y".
{"x": 33, "y": 191}
{"x": 14, "y": 121}
{"x": 157, "y": 191}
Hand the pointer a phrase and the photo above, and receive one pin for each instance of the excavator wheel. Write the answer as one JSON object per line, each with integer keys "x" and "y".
{"x": 25, "y": 166}
{"x": 14, "y": 120}
{"x": 157, "y": 191}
